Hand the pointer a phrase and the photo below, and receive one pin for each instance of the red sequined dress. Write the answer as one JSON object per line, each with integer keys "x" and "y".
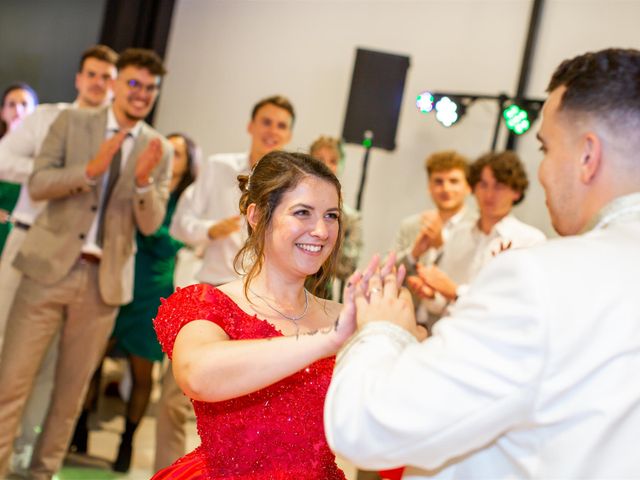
{"x": 273, "y": 434}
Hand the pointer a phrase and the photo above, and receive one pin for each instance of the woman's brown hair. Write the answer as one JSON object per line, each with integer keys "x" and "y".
{"x": 274, "y": 175}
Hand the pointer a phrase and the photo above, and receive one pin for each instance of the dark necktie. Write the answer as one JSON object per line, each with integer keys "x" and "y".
{"x": 114, "y": 173}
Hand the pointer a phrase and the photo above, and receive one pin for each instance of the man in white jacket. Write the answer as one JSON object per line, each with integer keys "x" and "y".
{"x": 531, "y": 376}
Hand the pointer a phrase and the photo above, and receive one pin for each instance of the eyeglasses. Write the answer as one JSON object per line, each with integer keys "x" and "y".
{"x": 138, "y": 87}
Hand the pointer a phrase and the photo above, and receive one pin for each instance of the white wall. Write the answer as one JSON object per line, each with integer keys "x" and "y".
{"x": 225, "y": 54}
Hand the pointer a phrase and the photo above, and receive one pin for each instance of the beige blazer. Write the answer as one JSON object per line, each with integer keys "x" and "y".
{"x": 54, "y": 242}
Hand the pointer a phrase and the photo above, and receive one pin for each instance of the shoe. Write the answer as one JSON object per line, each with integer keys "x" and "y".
{"x": 80, "y": 440}
{"x": 123, "y": 461}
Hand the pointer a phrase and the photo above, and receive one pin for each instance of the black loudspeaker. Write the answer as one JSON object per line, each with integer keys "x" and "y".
{"x": 376, "y": 92}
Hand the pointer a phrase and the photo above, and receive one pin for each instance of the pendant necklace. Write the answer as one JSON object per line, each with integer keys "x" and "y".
{"x": 293, "y": 319}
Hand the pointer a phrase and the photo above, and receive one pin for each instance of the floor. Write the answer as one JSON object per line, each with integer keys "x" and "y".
{"x": 104, "y": 439}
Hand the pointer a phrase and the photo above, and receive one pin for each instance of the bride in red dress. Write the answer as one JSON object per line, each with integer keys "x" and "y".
{"x": 256, "y": 355}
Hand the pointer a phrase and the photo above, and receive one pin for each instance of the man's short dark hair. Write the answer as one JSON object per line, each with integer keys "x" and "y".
{"x": 99, "y": 52}
{"x": 141, "y": 58}
{"x": 507, "y": 169}
{"x": 606, "y": 82}
{"x": 278, "y": 101}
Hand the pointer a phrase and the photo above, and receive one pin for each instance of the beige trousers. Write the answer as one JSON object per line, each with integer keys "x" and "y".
{"x": 36, "y": 407}
{"x": 74, "y": 308}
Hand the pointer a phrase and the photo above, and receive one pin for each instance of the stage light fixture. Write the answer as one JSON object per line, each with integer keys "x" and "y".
{"x": 520, "y": 116}
{"x": 449, "y": 110}
{"x": 424, "y": 102}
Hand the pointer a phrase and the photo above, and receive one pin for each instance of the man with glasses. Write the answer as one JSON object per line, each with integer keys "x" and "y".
{"x": 105, "y": 173}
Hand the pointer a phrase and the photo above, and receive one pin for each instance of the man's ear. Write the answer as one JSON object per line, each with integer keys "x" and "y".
{"x": 591, "y": 157}
{"x": 252, "y": 215}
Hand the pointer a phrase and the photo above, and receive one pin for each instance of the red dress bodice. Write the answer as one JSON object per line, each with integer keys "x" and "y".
{"x": 274, "y": 433}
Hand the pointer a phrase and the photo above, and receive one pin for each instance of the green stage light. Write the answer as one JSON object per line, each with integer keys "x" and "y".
{"x": 519, "y": 119}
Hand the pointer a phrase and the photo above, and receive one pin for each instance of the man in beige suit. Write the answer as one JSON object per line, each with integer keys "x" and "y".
{"x": 104, "y": 173}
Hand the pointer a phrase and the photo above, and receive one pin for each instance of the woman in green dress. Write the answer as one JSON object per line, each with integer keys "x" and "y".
{"x": 18, "y": 101}
{"x": 155, "y": 263}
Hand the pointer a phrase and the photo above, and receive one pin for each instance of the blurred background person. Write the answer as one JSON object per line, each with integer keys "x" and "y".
{"x": 329, "y": 151}
{"x": 96, "y": 71}
{"x": 155, "y": 263}
{"x": 499, "y": 182}
{"x": 421, "y": 236}
{"x": 208, "y": 220}
{"x": 18, "y": 101}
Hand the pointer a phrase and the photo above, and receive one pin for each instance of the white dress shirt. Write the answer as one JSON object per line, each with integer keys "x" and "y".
{"x": 90, "y": 244}
{"x": 19, "y": 148}
{"x": 533, "y": 375}
{"x": 214, "y": 197}
{"x": 469, "y": 248}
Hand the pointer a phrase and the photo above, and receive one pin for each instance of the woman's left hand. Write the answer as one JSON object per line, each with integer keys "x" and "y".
{"x": 380, "y": 297}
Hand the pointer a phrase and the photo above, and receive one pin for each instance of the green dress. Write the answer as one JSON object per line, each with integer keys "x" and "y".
{"x": 155, "y": 264}
{"x": 8, "y": 197}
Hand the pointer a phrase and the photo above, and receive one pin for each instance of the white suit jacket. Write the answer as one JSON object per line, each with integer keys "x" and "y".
{"x": 534, "y": 374}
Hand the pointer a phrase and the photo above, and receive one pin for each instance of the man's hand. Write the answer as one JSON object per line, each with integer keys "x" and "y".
{"x": 435, "y": 279}
{"x": 100, "y": 163}
{"x": 4, "y": 216}
{"x": 147, "y": 161}
{"x": 224, "y": 227}
{"x": 430, "y": 235}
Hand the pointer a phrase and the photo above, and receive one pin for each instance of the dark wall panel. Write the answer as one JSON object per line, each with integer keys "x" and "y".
{"x": 41, "y": 42}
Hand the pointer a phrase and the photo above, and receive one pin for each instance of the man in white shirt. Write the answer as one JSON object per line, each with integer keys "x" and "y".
{"x": 105, "y": 174}
{"x": 207, "y": 217}
{"x": 499, "y": 182}
{"x": 532, "y": 375}
{"x": 421, "y": 236}
{"x": 17, "y": 152}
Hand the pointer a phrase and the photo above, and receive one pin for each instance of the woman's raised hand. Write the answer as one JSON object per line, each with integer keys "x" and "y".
{"x": 380, "y": 296}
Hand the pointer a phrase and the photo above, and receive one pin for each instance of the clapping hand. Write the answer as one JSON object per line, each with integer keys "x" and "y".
{"x": 147, "y": 161}
{"x": 419, "y": 288}
{"x": 100, "y": 163}
{"x": 430, "y": 235}
{"x": 433, "y": 279}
